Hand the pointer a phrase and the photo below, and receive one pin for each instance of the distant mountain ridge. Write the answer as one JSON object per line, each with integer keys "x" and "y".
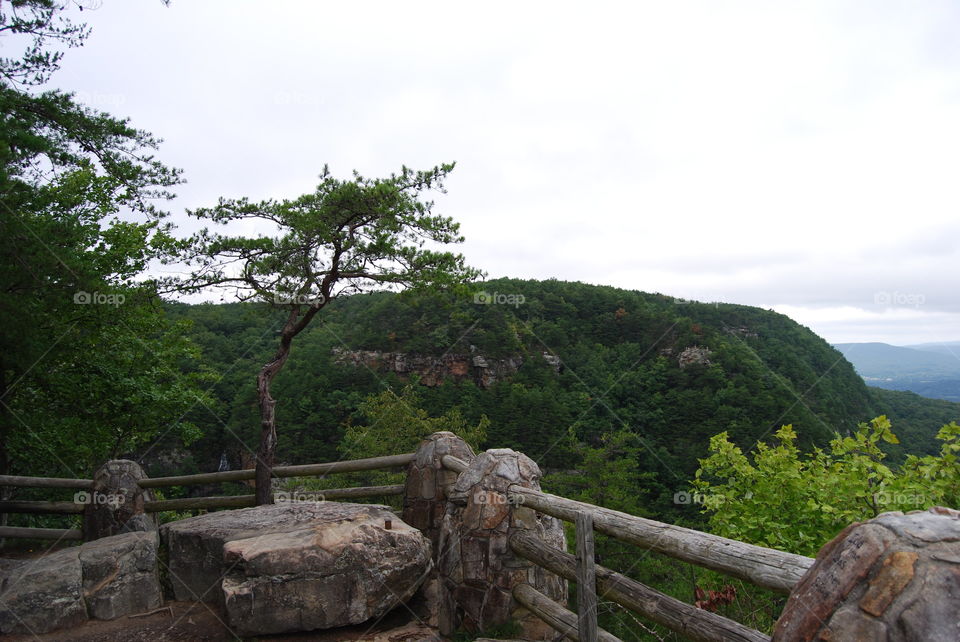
{"x": 930, "y": 369}
{"x": 587, "y": 361}
{"x": 951, "y": 348}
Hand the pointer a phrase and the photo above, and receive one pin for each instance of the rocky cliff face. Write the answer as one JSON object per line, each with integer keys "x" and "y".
{"x": 694, "y": 355}
{"x": 433, "y": 371}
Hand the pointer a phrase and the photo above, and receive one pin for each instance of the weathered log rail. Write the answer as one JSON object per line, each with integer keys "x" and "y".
{"x": 30, "y": 532}
{"x": 42, "y": 507}
{"x": 764, "y": 567}
{"x": 306, "y": 470}
{"x": 771, "y": 569}
{"x": 45, "y": 482}
{"x": 768, "y": 568}
{"x": 555, "y": 615}
{"x": 244, "y": 501}
{"x": 78, "y": 505}
{"x": 686, "y": 619}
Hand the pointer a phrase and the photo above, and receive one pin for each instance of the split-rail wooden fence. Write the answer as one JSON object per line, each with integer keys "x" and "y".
{"x": 764, "y": 567}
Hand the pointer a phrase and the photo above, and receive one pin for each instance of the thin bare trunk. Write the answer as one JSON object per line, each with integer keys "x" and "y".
{"x": 266, "y": 453}
{"x": 6, "y": 420}
{"x": 268, "y": 425}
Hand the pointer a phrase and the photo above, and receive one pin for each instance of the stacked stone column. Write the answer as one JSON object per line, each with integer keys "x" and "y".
{"x": 477, "y": 569}
{"x": 115, "y": 504}
{"x": 425, "y": 500}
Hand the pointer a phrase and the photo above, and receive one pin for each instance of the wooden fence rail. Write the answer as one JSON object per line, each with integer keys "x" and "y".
{"x": 454, "y": 464}
{"x": 45, "y": 482}
{"x": 244, "y": 501}
{"x": 188, "y": 503}
{"x": 765, "y": 567}
{"x": 40, "y": 507}
{"x": 24, "y": 532}
{"x": 686, "y": 619}
{"x": 306, "y": 470}
{"x": 555, "y": 615}
{"x": 586, "y": 578}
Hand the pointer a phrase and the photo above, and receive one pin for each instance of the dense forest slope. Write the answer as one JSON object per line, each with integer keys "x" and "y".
{"x": 551, "y": 364}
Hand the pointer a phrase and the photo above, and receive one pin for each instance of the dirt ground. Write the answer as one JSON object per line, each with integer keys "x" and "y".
{"x": 203, "y": 623}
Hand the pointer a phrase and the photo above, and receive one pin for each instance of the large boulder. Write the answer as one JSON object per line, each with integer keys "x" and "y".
{"x": 895, "y": 577}
{"x": 104, "y": 579}
{"x": 43, "y": 594}
{"x": 120, "y": 575}
{"x": 297, "y": 566}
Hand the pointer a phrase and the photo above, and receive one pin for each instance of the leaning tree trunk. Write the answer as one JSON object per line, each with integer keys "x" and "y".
{"x": 6, "y": 420}
{"x": 266, "y": 453}
{"x": 268, "y": 425}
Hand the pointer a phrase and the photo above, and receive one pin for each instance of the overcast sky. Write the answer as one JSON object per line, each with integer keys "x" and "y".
{"x": 803, "y": 157}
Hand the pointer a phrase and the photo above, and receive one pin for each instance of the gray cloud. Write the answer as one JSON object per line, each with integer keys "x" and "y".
{"x": 798, "y": 156}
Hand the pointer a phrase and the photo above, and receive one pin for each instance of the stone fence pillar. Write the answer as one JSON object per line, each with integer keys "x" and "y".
{"x": 425, "y": 500}
{"x": 115, "y": 503}
{"x": 477, "y": 568}
{"x": 895, "y": 577}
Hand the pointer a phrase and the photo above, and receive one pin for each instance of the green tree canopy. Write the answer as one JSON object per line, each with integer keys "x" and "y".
{"x": 395, "y": 423}
{"x": 345, "y": 237}
{"x": 89, "y": 368}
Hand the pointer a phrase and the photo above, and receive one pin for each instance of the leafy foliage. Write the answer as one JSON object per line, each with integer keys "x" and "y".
{"x": 781, "y": 498}
{"x": 37, "y": 24}
{"x": 344, "y": 237}
{"x": 607, "y": 476}
{"x": 89, "y": 367}
{"x": 392, "y": 423}
{"x": 395, "y": 423}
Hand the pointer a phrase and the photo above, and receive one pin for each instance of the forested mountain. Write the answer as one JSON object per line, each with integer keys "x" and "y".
{"x": 553, "y": 365}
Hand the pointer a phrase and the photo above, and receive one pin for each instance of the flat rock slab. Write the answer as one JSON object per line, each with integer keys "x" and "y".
{"x": 43, "y": 594}
{"x": 120, "y": 575}
{"x": 195, "y": 545}
{"x": 297, "y": 566}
